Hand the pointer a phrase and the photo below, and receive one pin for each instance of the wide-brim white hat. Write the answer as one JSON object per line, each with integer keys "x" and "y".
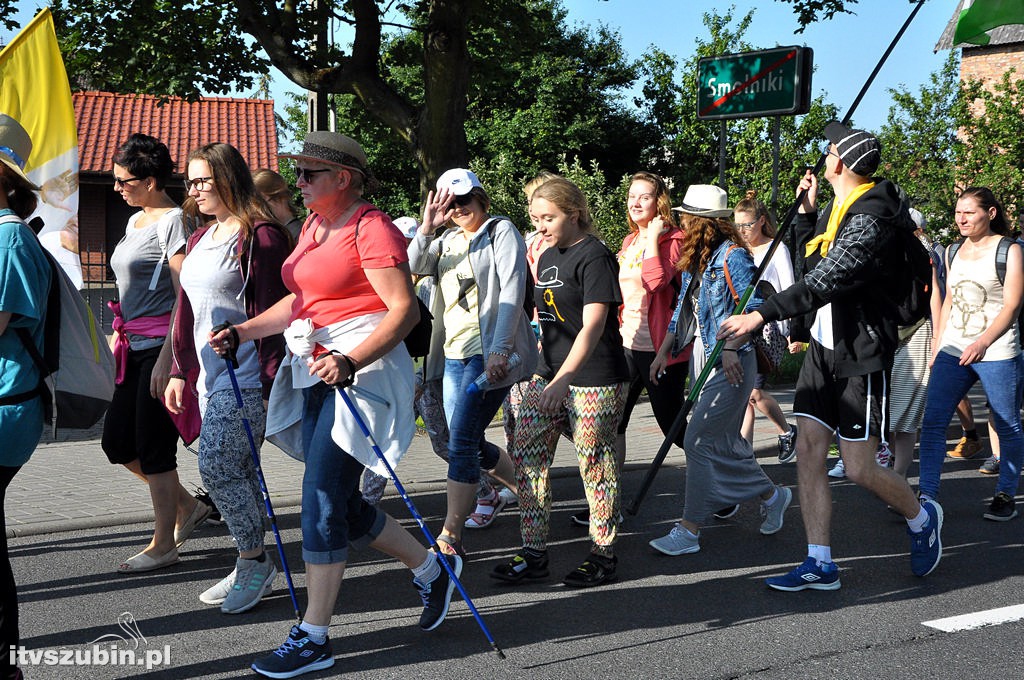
{"x": 705, "y": 200}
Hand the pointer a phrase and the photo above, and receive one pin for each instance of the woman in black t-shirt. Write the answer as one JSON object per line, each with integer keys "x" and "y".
{"x": 580, "y": 379}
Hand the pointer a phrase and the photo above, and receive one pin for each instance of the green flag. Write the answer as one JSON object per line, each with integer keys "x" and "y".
{"x": 980, "y": 16}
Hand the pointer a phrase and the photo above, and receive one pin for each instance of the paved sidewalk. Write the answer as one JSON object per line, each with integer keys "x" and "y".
{"x": 69, "y": 485}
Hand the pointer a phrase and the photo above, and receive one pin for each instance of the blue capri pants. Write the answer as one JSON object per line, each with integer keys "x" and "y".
{"x": 468, "y": 417}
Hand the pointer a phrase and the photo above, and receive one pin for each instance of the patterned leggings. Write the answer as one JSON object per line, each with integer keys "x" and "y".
{"x": 592, "y": 413}
{"x": 225, "y": 463}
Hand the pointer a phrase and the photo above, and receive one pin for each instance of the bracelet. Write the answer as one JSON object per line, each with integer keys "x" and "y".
{"x": 179, "y": 376}
{"x": 503, "y": 355}
{"x": 351, "y": 365}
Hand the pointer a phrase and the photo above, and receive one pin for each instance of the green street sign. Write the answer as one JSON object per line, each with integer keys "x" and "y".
{"x": 752, "y": 84}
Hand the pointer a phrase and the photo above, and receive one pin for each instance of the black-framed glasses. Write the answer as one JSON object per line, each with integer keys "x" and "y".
{"x": 198, "y": 183}
{"x": 745, "y": 226}
{"x": 307, "y": 175}
{"x": 121, "y": 183}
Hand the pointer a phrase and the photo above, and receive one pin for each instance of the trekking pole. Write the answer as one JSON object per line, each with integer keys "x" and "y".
{"x": 419, "y": 518}
{"x": 232, "y": 363}
{"x": 679, "y": 423}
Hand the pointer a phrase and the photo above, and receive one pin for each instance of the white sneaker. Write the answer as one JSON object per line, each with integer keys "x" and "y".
{"x": 838, "y": 470}
{"x": 509, "y": 496}
{"x": 676, "y": 542}
{"x": 217, "y": 593}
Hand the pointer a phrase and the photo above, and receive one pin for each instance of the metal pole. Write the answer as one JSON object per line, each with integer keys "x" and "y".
{"x": 776, "y": 134}
{"x": 721, "y": 155}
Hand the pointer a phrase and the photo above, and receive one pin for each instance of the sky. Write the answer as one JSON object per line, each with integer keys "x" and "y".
{"x": 846, "y": 48}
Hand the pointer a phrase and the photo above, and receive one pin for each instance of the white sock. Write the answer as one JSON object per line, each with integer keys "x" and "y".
{"x": 918, "y": 523}
{"x": 428, "y": 571}
{"x": 821, "y": 553}
{"x": 774, "y": 497}
{"x": 317, "y": 634}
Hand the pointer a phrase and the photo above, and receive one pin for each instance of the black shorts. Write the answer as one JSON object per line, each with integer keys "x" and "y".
{"x": 857, "y": 406}
{"x": 137, "y": 425}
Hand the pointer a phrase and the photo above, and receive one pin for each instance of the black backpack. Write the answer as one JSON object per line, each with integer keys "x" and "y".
{"x": 913, "y": 285}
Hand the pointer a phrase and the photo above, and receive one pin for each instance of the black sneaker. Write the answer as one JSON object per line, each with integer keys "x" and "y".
{"x": 787, "y": 445}
{"x": 595, "y": 570}
{"x": 990, "y": 466}
{"x": 726, "y": 513}
{"x": 298, "y": 655}
{"x": 203, "y": 496}
{"x": 523, "y": 565}
{"x": 1002, "y": 509}
{"x": 437, "y": 595}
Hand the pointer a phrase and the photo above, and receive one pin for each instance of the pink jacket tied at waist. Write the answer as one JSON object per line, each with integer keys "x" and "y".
{"x": 148, "y": 326}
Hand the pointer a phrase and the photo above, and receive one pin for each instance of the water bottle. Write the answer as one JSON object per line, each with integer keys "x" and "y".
{"x": 481, "y": 383}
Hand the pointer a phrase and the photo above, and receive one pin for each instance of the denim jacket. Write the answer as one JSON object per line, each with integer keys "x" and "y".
{"x": 714, "y": 300}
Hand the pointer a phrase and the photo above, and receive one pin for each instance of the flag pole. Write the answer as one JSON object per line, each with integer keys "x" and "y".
{"x": 680, "y": 422}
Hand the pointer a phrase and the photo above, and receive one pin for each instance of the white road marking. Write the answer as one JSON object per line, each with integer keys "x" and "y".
{"x": 991, "y": 617}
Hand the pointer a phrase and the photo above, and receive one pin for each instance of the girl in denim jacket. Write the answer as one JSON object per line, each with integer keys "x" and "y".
{"x": 721, "y": 470}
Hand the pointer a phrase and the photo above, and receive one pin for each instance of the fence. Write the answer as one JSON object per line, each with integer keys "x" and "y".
{"x": 98, "y": 286}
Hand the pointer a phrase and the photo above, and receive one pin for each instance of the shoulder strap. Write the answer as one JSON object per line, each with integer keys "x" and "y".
{"x": 162, "y": 238}
{"x": 1002, "y": 250}
{"x": 728, "y": 279}
{"x": 951, "y": 252}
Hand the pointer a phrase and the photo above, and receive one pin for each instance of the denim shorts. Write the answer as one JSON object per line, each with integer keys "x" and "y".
{"x": 468, "y": 417}
{"x": 334, "y": 514}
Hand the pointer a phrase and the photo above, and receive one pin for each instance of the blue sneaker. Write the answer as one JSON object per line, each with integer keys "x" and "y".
{"x": 926, "y": 545}
{"x": 811, "y": 574}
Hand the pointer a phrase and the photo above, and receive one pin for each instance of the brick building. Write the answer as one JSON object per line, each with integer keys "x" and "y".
{"x": 105, "y": 120}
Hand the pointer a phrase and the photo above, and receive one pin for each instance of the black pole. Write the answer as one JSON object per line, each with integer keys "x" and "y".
{"x": 698, "y": 385}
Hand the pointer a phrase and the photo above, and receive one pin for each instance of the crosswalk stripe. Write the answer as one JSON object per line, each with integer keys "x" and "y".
{"x": 990, "y": 617}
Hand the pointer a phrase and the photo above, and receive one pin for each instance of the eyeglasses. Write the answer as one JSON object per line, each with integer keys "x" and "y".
{"x": 307, "y": 175}
{"x": 198, "y": 183}
{"x": 121, "y": 183}
{"x": 746, "y": 226}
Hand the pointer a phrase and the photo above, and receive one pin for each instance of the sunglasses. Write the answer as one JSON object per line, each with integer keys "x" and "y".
{"x": 121, "y": 183}
{"x": 307, "y": 175}
{"x": 198, "y": 183}
{"x": 461, "y": 201}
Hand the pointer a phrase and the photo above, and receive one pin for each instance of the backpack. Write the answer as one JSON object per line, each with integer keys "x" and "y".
{"x": 76, "y": 364}
{"x": 1002, "y": 248}
{"x": 913, "y": 286}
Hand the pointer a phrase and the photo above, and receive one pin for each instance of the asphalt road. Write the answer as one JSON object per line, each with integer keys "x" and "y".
{"x": 707, "y": 615}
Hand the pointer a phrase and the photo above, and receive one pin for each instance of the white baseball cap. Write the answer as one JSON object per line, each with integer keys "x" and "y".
{"x": 408, "y": 226}
{"x": 459, "y": 181}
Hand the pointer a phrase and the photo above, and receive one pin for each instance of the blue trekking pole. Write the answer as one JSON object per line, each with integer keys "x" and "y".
{"x": 419, "y": 519}
{"x": 232, "y": 363}
{"x": 679, "y": 423}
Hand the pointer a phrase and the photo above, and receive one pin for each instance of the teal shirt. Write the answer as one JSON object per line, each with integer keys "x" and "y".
{"x": 24, "y": 284}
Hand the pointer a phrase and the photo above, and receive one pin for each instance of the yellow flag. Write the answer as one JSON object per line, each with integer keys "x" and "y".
{"x": 34, "y": 91}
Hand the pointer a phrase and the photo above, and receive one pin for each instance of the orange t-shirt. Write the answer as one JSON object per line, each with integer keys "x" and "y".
{"x": 328, "y": 280}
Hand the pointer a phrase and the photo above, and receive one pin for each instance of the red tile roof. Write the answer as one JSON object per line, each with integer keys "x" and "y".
{"x": 105, "y": 120}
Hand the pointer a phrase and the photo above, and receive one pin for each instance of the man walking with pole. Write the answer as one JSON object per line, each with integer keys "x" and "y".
{"x": 851, "y": 264}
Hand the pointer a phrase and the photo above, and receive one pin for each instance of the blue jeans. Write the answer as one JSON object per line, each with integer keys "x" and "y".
{"x": 334, "y": 514}
{"x": 468, "y": 417}
{"x": 949, "y": 382}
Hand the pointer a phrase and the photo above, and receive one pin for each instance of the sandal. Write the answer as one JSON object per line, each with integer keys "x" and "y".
{"x": 595, "y": 570}
{"x": 142, "y": 562}
{"x": 486, "y": 510}
{"x": 450, "y": 546}
{"x": 198, "y": 515}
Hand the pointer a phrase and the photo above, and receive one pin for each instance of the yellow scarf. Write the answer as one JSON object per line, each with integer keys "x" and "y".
{"x": 837, "y": 215}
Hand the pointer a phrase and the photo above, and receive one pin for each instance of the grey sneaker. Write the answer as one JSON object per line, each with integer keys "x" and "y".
{"x": 838, "y": 470}
{"x": 253, "y": 580}
{"x": 787, "y": 445}
{"x": 773, "y": 513}
{"x": 676, "y": 542}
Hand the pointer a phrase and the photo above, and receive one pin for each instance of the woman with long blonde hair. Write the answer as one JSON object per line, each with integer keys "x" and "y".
{"x": 721, "y": 470}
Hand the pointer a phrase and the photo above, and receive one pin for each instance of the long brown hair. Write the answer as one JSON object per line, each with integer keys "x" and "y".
{"x": 661, "y": 191}
{"x": 701, "y": 236}
{"x": 986, "y": 200}
{"x": 233, "y": 183}
{"x": 569, "y": 199}
{"x": 752, "y": 205}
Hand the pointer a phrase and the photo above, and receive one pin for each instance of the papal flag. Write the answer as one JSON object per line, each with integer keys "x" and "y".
{"x": 979, "y": 17}
{"x": 34, "y": 91}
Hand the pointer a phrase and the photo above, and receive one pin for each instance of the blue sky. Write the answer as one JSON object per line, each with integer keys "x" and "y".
{"x": 845, "y": 48}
